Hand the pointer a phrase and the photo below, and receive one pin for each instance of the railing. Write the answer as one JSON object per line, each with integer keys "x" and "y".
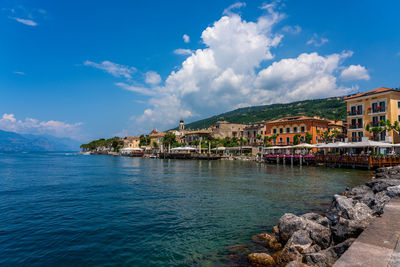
{"x": 355, "y": 113}
{"x": 377, "y": 110}
{"x": 355, "y": 126}
{"x": 359, "y": 160}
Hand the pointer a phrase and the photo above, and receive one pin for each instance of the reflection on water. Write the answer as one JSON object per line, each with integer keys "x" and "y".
{"x": 68, "y": 209}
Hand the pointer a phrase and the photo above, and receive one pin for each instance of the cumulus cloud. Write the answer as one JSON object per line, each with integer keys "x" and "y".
{"x": 8, "y": 122}
{"x": 114, "y": 69}
{"x": 236, "y": 69}
{"x": 153, "y": 78}
{"x": 181, "y": 51}
{"x": 292, "y": 29}
{"x": 25, "y": 15}
{"x": 355, "y": 72}
{"x": 317, "y": 40}
{"x": 186, "y": 38}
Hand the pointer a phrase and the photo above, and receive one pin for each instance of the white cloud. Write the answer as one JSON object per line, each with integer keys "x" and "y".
{"x": 114, "y": 69}
{"x": 181, "y": 51}
{"x": 19, "y": 72}
{"x": 228, "y": 10}
{"x": 28, "y": 22}
{"x": 317, "y": 40}
{"x": 186, "y": 38}
{"x": 235, "y": 69}
{"x": 292, "y": 29}
{"x": 355, "y": 72}
{"x": 8, "y": 122}
{"x": 153, "y": 78}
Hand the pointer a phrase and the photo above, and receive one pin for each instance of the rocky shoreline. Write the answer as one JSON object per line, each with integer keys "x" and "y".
{"x": 315, "y": 239}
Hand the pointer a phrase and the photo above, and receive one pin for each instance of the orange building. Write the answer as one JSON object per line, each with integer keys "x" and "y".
{"x": 286, "y": 128}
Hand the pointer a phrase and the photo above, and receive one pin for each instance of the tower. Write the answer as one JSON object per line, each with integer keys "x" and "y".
{"x": 181, "y": 126}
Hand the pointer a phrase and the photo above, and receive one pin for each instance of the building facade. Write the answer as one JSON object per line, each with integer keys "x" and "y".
{"x": 287, "y": 128}
{"x": 156, "y": 139}
{"x": 369, "y": 110}
{"x": 131, "y": 142}
{"x": 222, "y": 129}
{"x": 254, "y": 130}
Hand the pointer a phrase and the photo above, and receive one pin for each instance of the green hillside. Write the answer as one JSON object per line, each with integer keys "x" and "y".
{"x": 330, "y": 108}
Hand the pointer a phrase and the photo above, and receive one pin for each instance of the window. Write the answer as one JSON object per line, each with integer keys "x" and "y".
{"x": 274, "y": 131}
{"x": 398, "y": 104}
{"x": 287, "y": 140}
{"x": 382, "y": 118}
{"x": 281, "y": 130}
{"x": 359, "y": 109}
{"x": 303, "y": 129}
{"x": 280, "y": 140}
{"x": 360, "y": 123}
{"x": 383, "y": 135}
{"x": 295, "y": 129}
{"x": 288, "y": 130}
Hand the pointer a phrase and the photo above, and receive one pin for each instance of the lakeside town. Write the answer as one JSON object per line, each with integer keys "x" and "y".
{"x": 368, "y": 137}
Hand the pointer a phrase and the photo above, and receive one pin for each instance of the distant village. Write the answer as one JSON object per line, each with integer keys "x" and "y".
{"x": 372, "y": 122}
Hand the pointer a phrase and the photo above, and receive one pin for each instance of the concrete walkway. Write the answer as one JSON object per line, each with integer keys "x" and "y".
{"x": 379, "y": 244}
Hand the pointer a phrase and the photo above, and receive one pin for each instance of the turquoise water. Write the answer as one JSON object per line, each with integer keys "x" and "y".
{"x": 63, "y": 209}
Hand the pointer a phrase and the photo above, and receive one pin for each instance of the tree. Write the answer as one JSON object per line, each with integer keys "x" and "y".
{"x": 296, "y": 139}
{"x": 155, "y": 145}
{"x": 169, "y": 139}
{"x": 309, "y": 138}
{"x": 144, "y": 140}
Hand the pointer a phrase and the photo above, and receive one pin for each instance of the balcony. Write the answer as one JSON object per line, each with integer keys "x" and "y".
{"x": 355, "y": 139}
{"x": 355, "y": 126}
{"x": 378, "y": 109}
{"x": 355, "y": 113}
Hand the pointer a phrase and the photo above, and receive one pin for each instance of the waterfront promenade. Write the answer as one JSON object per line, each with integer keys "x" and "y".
{"x": 378, "y": 245}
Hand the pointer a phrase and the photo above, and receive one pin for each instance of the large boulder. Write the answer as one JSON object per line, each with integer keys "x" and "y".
{"x": 300, "y": 240}
{"x": 260, "y": 260}
{"x": 288, "y": 254}
{"x": 321, "y": 235}
{"x": 344, "y": 207}
{"x": 288, "y": 224}
{"x": 362, "y": 194}
{"x": 379, "y": 185}
{"x": 393, "y": 191}
{"x": 262, "y": 239}
{"x": 328, "y": 257}
{"x": 380, "y": 199}
{"x": 316, "y": 218}
{"x": 346, "y": 229}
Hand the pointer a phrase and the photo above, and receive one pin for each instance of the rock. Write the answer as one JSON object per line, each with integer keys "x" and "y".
{"x": 312, "y": 249}
{"x": 393, "y": 191}
{"x": 321, "y": 235}
{"x": 362, "y": 194}
{"x": 260, "y": 260}
{"x": 341, "y": 205}
{"x": 262, "y": 239}
{"x": 328, "y": 257}
{"x": 275, "y": 229}
{"x": 296, "y": 264}
{"x": 288, "y": 224}
{"x": 344, "y": 207}
{"x": 288, "y": 254}
{"x": 274, "y": 244}
{"x": 276, "y": 255}
{"x": 316, "y": 218}
{"x": 300, "y": 240}
{"x": 379, "y": 185}
{"x": 238, "y": 249}
{"x": 346, "y": 229}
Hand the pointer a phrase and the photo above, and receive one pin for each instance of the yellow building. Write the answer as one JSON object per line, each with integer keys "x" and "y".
{"x": 156, "y": 137}
{"x": 131, "y": 142}
{"x": 371, "y": 108}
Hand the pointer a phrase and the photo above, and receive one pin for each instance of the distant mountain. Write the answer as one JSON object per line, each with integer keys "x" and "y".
{"x": 10, "y": 141}
{"x": 330, "y": 108}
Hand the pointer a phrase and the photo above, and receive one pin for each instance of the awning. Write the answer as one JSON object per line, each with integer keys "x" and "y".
{"x": 186, "y": 148}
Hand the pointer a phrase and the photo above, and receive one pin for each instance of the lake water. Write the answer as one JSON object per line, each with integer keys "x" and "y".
{"x": 65, "y": 209}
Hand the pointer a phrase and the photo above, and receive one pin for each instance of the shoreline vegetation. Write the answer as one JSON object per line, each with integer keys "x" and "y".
{"x": 314, "y": 239}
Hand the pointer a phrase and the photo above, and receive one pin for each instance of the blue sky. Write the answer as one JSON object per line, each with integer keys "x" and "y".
{"x": 91, "y": 69}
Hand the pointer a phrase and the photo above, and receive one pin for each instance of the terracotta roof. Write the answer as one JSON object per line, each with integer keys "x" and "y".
{"x": 372, "y": 92}
{"x": 132, "y": 138}
{"x": 157, "y": 134}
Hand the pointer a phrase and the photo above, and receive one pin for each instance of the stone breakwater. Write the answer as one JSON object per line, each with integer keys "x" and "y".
{"x": 319, "y": 240}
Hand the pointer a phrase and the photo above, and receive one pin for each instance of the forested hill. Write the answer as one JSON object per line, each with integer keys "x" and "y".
{"x": 330, "y": 108}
